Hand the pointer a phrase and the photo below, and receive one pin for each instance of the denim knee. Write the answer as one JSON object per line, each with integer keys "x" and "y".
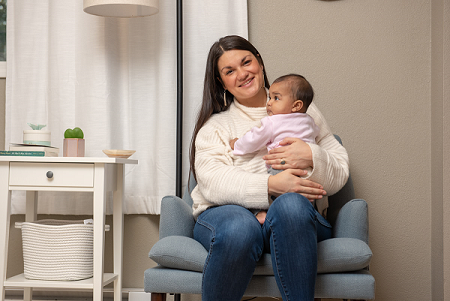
{"x": 245, "y": 241}
{"x": 233, "y": 231}
{"x": 291, "y": 209}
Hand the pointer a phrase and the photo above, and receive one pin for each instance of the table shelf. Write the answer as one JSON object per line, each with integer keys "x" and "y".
{"x": 21, "y": 281}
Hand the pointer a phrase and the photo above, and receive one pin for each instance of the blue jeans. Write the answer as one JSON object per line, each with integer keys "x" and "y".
{"x": 235, "y": 241}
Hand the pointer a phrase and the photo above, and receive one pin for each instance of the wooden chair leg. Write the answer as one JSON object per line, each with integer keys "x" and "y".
{"x": 158, "y": 297}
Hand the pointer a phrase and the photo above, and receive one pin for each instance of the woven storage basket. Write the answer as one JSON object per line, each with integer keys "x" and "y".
{"x": 57, "y": 250}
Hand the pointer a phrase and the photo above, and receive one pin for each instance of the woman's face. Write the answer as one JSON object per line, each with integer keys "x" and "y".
{"x": 242, "y": 75}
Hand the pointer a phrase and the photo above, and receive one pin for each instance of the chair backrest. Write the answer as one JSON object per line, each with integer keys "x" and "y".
{"x": 335, "y": 201}
{"x": 189, "y": 187}
{"x": 339, "y": 199}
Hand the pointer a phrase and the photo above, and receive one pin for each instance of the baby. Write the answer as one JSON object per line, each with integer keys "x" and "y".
{"x": 289, "y": 98}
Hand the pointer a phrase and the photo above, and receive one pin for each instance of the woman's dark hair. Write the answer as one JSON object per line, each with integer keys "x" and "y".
{"x": 213, "y": 91}
{"x": 301, "y": 88}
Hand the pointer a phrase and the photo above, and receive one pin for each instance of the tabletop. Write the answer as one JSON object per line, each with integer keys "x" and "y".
{"x": 67, "y": 159}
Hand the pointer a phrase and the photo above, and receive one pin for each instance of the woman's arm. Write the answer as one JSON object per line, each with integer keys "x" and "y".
{"x": 328, "y": 158}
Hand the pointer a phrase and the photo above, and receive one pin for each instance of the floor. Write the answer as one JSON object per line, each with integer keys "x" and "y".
{"x": 83, "y": 296}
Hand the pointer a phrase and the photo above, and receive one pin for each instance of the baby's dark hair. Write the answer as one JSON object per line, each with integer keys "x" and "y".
{"x": 301, "y": 88}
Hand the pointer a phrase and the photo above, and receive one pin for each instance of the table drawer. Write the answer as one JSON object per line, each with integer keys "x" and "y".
{"x": 51, "y": 174}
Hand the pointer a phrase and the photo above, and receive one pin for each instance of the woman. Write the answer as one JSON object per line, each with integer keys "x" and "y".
{"x": 230, "y": 188}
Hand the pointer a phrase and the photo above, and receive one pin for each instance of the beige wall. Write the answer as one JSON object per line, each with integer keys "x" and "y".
{"x": 446, "y": 144}
{"x": 441, "y": 176}
{"x": 380, "y": 72}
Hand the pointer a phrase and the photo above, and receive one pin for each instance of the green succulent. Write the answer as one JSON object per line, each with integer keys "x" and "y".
{"x": 74, "y": 133}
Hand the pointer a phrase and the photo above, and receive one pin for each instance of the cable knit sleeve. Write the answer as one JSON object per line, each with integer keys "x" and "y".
{"x": 220, "y": 180}
{"x": 331, "y": 166}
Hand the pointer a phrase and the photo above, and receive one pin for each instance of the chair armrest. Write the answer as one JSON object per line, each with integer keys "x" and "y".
{"x": 352, "y": 221}
{"x": 176, "y": 218}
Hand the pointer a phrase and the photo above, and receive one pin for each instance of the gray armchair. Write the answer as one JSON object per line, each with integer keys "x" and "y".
{"x": 342, "y": 260}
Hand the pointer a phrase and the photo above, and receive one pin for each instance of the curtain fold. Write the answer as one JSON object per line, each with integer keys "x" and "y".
{"x": 116, "y": 79}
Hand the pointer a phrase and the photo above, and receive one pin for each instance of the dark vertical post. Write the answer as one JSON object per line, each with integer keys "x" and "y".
{"x": 179, "y": 145}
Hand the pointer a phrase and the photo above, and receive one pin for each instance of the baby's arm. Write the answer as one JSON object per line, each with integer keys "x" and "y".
{"x": 254, "y": 139}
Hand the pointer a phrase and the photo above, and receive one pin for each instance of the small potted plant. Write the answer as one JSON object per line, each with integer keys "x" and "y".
{"x": 73, "y": 143}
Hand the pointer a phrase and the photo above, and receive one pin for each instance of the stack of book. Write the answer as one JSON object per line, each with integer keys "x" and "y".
{"x": 31, "y": 150}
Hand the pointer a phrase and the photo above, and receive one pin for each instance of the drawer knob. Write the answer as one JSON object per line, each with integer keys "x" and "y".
{"x": 49, "y": 174}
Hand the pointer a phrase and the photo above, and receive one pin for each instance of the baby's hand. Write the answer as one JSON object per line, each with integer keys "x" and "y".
{"x": 232, "y": 142}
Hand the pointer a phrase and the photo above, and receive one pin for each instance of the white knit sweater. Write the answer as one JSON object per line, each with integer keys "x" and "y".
{"x": 223, "y": 178}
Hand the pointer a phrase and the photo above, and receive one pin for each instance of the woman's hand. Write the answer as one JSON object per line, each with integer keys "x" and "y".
{"x": 290, "y": 181}
{"x": 294, "y": 152}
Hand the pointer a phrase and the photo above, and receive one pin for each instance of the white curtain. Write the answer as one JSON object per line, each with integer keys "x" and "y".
{"x": 115, "y": 79}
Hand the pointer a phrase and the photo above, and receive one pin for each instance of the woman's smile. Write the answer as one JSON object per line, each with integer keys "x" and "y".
{"x": 247, "y": 82}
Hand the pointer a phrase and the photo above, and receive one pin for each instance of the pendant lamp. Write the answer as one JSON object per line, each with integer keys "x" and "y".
{"x": 121, "y": 8}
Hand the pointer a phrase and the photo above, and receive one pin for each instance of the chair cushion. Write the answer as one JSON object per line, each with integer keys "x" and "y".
{"x": 342, "y": 255}
{"x": 334, "y": 255}
{"x": 179, "y": 252}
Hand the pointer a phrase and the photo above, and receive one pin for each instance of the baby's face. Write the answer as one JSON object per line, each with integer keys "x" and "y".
{"x": 280, "y": 99}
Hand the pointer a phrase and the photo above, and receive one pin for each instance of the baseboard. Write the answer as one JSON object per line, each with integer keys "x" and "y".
{"x": 139, "y": 296}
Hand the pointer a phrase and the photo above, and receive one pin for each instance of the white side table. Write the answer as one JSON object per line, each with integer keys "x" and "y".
{"x": 96, "y": 175}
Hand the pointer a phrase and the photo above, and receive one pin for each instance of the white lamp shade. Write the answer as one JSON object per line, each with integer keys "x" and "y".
{"x": 121, "y": 8}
